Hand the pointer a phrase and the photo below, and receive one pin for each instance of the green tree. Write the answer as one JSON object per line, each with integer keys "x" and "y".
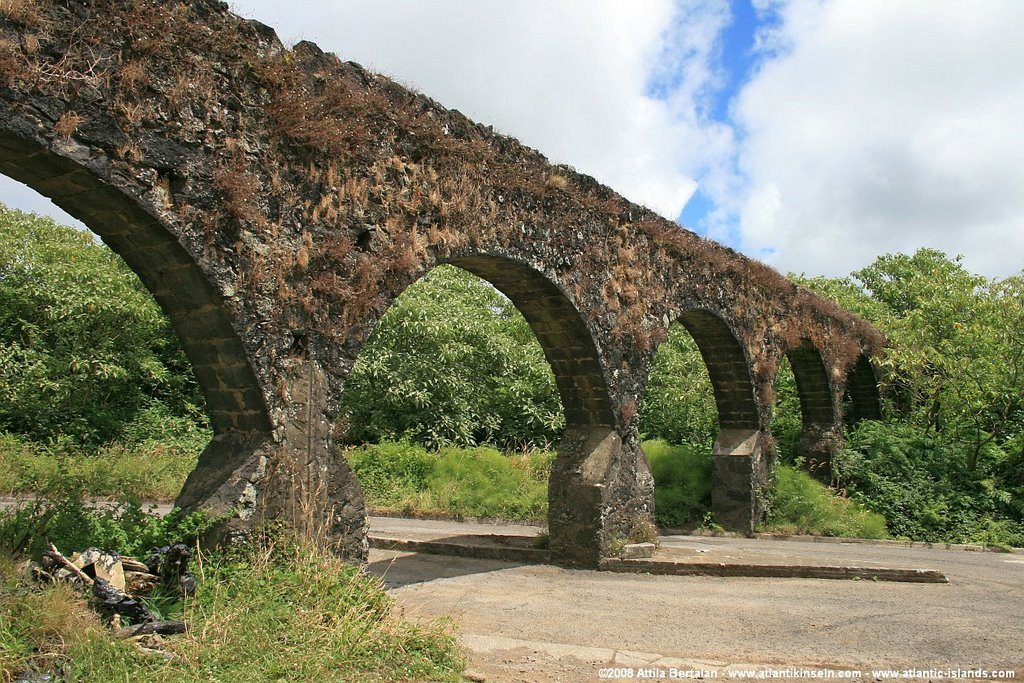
{"x": 453, "y": 362}
{"x": 85, "y": 352}
{"x": 679, "y": 404}
{"x": 953, "y": 374}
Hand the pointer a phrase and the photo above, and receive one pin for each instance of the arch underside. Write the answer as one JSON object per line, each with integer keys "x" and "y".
{"x": 819, "y": 434}
{"x": 727, "y": 367}
{"x": 737, "y": 467}
{"x": 812, "y": 386}
{"x": 864, "y": 399}
{"x": 234, "y": 401}
{"x": 566, "y": 341}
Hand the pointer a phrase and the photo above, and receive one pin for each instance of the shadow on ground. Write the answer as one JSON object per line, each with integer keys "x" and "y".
{"x": 398, "y": 569}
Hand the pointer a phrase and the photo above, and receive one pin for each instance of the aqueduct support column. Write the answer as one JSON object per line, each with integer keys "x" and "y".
{"x": 600, "y": 487}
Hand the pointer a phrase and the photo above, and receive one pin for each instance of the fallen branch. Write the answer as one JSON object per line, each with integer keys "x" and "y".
{"x": 69, "y": 565}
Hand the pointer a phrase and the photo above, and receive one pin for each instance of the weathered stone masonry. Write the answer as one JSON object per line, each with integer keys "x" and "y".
{"x": 277, "y": 201}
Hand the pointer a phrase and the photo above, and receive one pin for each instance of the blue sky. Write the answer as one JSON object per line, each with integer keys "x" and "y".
{"x": 812, "y": 134}
{"x": 735, "y": 57}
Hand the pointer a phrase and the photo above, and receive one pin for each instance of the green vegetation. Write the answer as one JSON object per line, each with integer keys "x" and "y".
{"x": 453, "y": 362}
{"x": 407, "y": 478}
{"x": 679, "y": 406}
{"x": 86, "y": 355}
{"x": 148, "y": 471}
{"x": 802, "y": 505}
{"x": 947, "y": 463}
{"x": 64, "y": 520}
{"x": 278, "y": 610}
{"x": 682, "y": 483}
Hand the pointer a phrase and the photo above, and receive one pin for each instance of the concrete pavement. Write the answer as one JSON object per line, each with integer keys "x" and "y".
{"x": 542, "y": 623}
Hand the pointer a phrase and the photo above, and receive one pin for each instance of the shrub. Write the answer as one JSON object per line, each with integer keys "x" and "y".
{"x": 925, "y": 491}
{"x": 70, "y": 524}
{"x": 392, "y": 474}
{"x": 453, "y": 363}
{"x": 679, "y": 405}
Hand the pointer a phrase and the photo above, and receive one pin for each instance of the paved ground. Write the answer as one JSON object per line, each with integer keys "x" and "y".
{"x": 543, "y": 623}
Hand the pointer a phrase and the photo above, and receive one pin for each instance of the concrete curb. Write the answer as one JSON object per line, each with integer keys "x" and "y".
{"x": 664, "y": 567}
{"x": 468, "y": 519}
{"x": 764, "y": 536}
{"x": 778, "y": 571}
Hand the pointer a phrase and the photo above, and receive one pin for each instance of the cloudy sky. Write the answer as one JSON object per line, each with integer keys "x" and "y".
{"x": 811, "y": 134}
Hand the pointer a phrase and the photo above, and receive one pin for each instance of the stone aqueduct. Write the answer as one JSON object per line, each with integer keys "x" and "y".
{"x": 276, "y": 201}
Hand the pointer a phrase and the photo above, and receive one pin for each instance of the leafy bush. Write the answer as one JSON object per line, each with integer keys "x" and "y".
{"x": 787, "y": 422}
{"x": 123, "y": 527}
{"x": 682, "y": 482}
{"x": 392, "y": 474}
{"x": 802, "y": 505}
{"x": 84, "y": 348}
{"x": 916, "y": 480}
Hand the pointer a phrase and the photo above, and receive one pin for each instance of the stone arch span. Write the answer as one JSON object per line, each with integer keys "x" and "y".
{"x": 568, "y": 344}
{"x": 737, "y": 449}
{"x": 235, "y": 403}
{"x": 275, "y": 200}
{"x": 589, "y": 455}
{"x": 820, "y": 429}
{"x": 865, "y": 401}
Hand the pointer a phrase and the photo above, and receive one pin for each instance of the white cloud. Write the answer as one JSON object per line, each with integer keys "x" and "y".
{"x": 879, "y": 126}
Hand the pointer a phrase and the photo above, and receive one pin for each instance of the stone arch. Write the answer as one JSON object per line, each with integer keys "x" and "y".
{"x": 568, "y": 344}
{"x": 736, "y": 457}
{"x": 863, "y": 399}
{"x": 728, "y": 368}
{"x": 235, "y": 402}
{"x": 588, "y": 454}
{"x": 818, "y": 412}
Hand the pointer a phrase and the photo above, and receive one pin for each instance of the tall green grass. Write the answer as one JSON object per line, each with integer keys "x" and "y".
{"x": 682, "y": 483}
{"x": 406, "y": 478}
{"x": 800, "y": 504}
